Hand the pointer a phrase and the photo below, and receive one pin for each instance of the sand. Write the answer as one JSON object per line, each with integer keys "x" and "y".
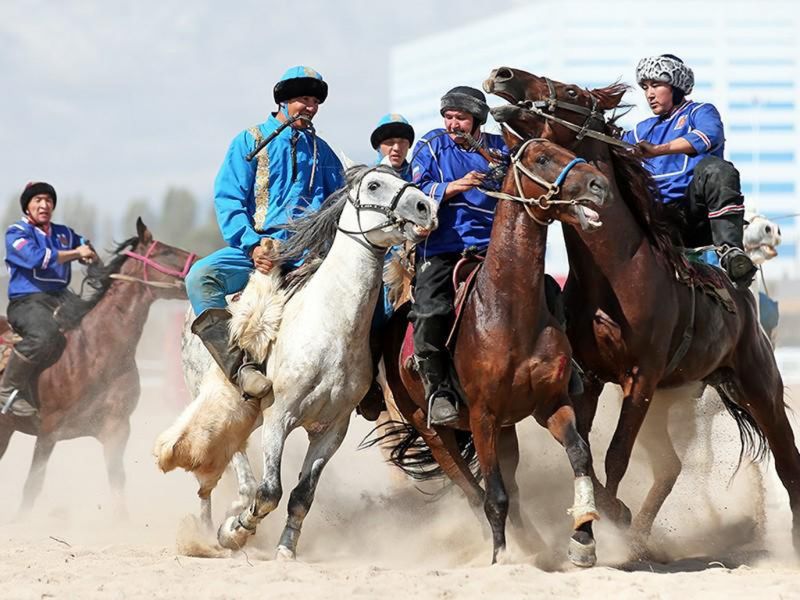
{"x": 371, "y": 534}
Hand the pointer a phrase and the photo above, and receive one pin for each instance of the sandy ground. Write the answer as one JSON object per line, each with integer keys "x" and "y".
{"x": 372, "y": 534}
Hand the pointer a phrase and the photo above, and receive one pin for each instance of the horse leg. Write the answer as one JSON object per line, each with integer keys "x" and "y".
{"x": 561, "y": 425}
{"x": 321, "y": 448}
{"x": 114, "y": 444}
{"x": 33, "y": 484}
{"x": 236, "y": 529}
{"x": 246, "y": 480}
{"x": 486, "y": 431}
{"x": 525, "y": 531}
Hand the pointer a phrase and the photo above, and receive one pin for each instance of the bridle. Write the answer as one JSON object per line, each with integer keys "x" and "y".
{"x": 594, "y": 116}
{"x": 548, "y": 198}
{"x": 388, "y": 211}
{"x": 149, "y": 262}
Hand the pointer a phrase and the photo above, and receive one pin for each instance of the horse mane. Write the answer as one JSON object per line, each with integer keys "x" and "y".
{"x": 312, "y": 234}
{"x": 98, "y": 279}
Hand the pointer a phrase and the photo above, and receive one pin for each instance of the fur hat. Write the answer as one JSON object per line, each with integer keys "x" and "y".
{"x": 36, "y": 188}
{"x": 467, "y": 99}
{"x": 666, "y": 68}
{"x": 300, "y": 81}
{"x": 391, "y": 126}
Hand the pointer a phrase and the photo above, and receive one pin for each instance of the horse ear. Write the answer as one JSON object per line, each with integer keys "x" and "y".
{"x": 608, "y": 98}
{"x": 143, "y": 232}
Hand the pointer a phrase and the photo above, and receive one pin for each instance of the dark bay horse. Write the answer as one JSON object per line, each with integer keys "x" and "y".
{"x": 511, "y": 356}
{"x": 631, "y": 320}
{"x": 94, "y": 387}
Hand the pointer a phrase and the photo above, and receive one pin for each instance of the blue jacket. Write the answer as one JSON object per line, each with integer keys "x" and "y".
{"x": 32, "y": 258}
{"x": 698, "y": 123}
{"x": 243, "y": 219}
{"x": 404, "y": 171}
{"x": 465, "y": 219}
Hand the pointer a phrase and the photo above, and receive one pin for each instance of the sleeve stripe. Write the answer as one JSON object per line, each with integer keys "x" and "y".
{"x": 703, "y": 137}
{"x": 46, "y": 261}
{"x": 733, "y": 208}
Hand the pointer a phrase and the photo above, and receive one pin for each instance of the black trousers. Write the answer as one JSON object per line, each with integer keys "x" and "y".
{"x": 432, "y": 310}
{"x": 33, "y": 320}
{"x": 715, "y": 186}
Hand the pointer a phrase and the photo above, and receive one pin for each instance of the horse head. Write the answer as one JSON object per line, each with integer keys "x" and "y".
{"x": 157, "y": 265}
{"x": 761, "y": 236}
{"x": 386, "y": 209}
{"x": 543, "y": 108}
{"x": 553, "y": 184}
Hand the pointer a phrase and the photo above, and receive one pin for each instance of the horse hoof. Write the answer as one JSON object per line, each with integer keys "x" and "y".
{"x": 582, "y": 555}
{"x": 284, "y": 554}
{"x": 231, "y": 536}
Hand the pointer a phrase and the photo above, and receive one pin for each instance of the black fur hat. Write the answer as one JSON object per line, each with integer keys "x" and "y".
{"x": 469, "y": 100}
{"x": 36, "y": 188}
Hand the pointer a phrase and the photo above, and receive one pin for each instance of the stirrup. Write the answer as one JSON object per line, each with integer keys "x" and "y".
{"x": 449, "y": 396}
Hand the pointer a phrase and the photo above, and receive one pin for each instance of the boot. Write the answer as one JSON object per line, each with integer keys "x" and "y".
{"x": 16, "y": 396}
{"x": 439, "y": 392}
{"x": 555, "y": 304}
{"x": 212, "y": 328}
{"x": 727, "y": 232}
{"x": 373, "y": 403}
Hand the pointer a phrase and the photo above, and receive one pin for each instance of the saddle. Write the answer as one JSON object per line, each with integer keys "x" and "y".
{"x": 711, "y": 280}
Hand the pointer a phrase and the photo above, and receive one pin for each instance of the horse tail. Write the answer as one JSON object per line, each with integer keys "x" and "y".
{"x": 409, "y": 452}
{"x": 753, "y": 441}
{"x": 256, "y": 316}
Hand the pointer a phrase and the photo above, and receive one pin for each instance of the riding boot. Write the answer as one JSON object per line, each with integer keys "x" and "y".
{"x": 16, "y": 394}
{"x": 727, "y": 232}
{"x": 434, "y": 370}
{"x": 373, "y": 402}
{"x": 212, "y": 328}
{"x": 555, "y": 304}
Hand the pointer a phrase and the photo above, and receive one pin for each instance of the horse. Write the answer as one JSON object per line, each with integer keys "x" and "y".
{"x": 639, "y": 315}
{"x": 510, "y": 354}
{"x": 318, "y": 358}
{"x": 93, "y": 388}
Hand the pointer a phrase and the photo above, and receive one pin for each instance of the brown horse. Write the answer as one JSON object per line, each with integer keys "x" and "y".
{"x": 94, "y": 387}
{"x": 638, "y": 315}
{"x": 511, "y": 357}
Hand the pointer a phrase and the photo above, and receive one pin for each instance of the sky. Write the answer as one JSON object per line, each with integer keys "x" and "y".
{"x": 120, "y": 100}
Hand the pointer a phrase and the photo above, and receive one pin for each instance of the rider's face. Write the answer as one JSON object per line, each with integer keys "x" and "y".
{"x": 40, "y": 209}
{"x": 458, "y": 120}
{"x": 302, "y": 105}
{"x": 659, "y": 96}
{"x": 396, "y": 149}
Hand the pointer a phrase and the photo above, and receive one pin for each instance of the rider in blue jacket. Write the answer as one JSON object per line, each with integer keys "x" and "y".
{"x": 294, "y": 173}
{"x": 448, "y": 167}
{"x": 38, "y": 257}
{"x": 684, "y": 146}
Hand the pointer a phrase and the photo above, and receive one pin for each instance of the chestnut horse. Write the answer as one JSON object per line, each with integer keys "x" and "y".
{"x": 511, "y": 357}
{"x": 631, "y": 320}
{"x": 93, "y": 388}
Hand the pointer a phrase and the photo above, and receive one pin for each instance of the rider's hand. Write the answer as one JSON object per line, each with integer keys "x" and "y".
{"x": 86, "y": 254}
{"x": 260, "y": 256}
{"x": 646, "y": 150}
{"x": 469, "y": 181}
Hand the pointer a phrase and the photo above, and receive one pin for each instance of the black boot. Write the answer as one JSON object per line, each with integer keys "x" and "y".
{"x": 555, "y": 304}
{"x": 212, "y": 327}
{"x": 373, "y": 403}
{"x": 727, "y": 232}
{"x": 442, "y": 397}
{"x": 16, "y": 396}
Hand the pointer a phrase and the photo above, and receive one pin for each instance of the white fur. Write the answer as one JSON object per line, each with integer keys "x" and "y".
{"x": 256, "y": 316}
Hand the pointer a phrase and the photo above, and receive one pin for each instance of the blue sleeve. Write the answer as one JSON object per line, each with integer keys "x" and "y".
{"x": 232, "y": 188}
{"x": 630, "y": 136}
{"x": 23, "y": 251}
{"x": 77, "y": 239}
{"x": 332, "y": 173}
{"x": 707, "y": 132}
{"x": 426, "y": 174}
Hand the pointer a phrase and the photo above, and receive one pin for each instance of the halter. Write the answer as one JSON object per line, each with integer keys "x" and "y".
{"x": 547, "y": 108}
{"x": 388, "y": 211}
{"x": 149, "y": 262}
{"x": 547, "y": 199}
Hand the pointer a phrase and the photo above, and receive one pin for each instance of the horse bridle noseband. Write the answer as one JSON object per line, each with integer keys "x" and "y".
{"x": 546, "y": 200}
{"x": 149, "y": 262}
{"x": 387, "y": 211}
{"x": 546, "y": 109}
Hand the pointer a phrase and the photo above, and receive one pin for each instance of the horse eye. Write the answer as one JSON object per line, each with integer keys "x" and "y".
{"x": 572, "y": 93}
{"x": 767, "y": 229}
{"x": 373, "y": 185}
{"x": 542, "y": 160}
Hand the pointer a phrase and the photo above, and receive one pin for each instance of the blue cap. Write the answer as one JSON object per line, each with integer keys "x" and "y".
{"x": 392, "y": 125}
{"x": 300, "y": 81}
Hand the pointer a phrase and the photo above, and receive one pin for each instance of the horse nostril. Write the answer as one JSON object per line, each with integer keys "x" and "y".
{"x": 768, "y": 230}
{"x": 422, "y": 208}
{"x": 503, "y": 74}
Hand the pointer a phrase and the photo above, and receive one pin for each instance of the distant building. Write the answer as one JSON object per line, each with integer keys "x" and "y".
{"x": 745, "y": 55}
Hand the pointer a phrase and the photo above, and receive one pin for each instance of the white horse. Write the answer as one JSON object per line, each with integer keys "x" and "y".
{"x": 696, "y": 412}
{"x": 317, "y": 353}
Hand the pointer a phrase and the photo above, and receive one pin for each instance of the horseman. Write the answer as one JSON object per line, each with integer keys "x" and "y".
{"x": 449, "y": 165}
{"x": 391, "y": 138}
{"x": 683, "y": 145}
{"x": 38, "y": 256}
{"x": 293, "y": 174}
